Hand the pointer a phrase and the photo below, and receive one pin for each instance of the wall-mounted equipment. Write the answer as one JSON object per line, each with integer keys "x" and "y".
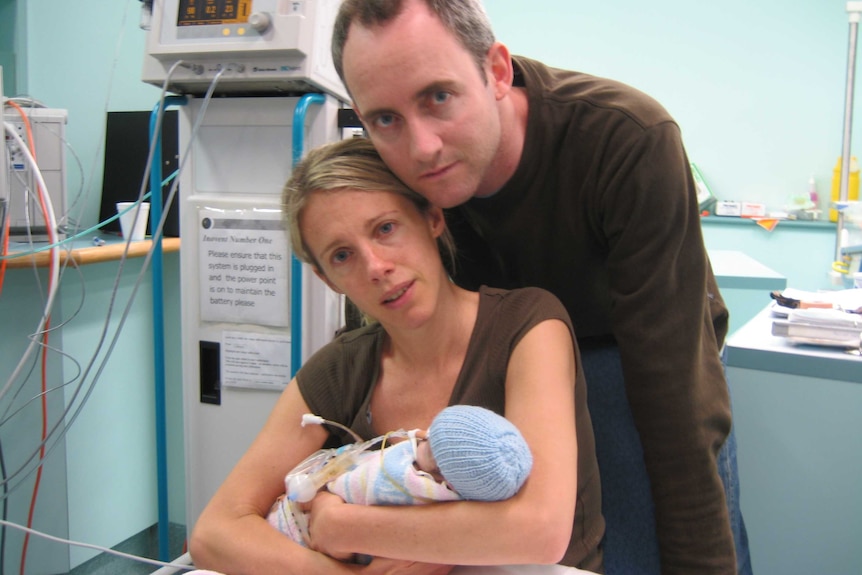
{"x": 265, "y": 46}
{"x": 48, "y": 129}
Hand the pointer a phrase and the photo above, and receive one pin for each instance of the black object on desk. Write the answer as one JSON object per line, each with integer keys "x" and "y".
{"x": 127, "y": 146}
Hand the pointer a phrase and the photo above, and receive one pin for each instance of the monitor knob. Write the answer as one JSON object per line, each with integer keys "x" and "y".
{"x": 260, "y": 21}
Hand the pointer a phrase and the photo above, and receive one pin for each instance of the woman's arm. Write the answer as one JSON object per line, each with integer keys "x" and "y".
{"x": 532, "y": 527}
{"x": 232, "y": 534}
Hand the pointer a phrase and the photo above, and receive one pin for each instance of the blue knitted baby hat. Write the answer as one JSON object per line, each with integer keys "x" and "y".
{"x": 481, "y": 454}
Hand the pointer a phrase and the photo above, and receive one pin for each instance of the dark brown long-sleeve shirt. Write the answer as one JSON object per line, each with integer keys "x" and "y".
{"x": 602, "y": 212}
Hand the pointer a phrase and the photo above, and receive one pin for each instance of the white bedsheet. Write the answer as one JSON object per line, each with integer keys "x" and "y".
{"x": 473, "y": 570}
{"x": 520, "y": 570}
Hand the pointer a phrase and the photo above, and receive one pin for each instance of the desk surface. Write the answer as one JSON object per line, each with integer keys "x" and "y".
{"x": 737, "y": 270}
{"x": 84, "y": 252}
{"x": 754, "y": 347}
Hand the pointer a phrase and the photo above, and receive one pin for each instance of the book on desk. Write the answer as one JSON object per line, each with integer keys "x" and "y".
{"x": 814, "y": 334}
{"x": 834, "y": 327}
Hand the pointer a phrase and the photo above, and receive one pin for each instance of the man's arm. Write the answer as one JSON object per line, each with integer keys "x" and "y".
{"x": 662, "y": 320}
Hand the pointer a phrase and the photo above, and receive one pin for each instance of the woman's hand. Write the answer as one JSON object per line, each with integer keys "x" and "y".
{"x": 324, "y": 502}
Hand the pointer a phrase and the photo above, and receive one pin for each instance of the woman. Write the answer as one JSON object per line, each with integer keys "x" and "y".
{"x": 431, "y": 344}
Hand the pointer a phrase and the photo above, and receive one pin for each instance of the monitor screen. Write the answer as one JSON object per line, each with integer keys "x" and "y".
{"x": 196, "y": 12}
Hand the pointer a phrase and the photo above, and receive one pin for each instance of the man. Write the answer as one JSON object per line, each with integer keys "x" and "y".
{"x": 579, "y": 185}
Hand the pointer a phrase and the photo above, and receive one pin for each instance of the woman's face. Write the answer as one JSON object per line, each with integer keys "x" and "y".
{"x": 378, "y": 250}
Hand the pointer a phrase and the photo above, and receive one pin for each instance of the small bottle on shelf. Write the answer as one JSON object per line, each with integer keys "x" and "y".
{"x": 852, "y": 185}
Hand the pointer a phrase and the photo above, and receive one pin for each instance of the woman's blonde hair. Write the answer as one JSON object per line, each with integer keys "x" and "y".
{"x": 351, "y": 164}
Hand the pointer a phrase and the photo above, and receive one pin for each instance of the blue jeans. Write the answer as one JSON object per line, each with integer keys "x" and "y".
{"x": 630, "y": 543}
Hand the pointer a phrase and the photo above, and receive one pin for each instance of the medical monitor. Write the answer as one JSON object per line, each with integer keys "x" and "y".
{"x": 260, "y": 46}
{"x": 47, "y": 128}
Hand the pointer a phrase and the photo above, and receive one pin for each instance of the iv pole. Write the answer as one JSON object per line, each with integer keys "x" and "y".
{"x": 854, "y": 10}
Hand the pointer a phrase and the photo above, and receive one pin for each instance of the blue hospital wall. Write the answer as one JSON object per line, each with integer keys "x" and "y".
{"x": 86, "y": 57}
{"x": 757, "y": 87}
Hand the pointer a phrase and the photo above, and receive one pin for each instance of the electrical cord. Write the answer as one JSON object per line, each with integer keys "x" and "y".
{"x": 24, "y": 466}
{"x": 7, "y": 486}
{"x": 49, "y": 218}
{"x": 6, "y": 417}
{"x": 65, "y": 416}
{"x": 44, "y": 324}
{"x": 79, "y": 195}
{"x": 44, "y": 328}
{"x": 70, "y": 239}
{"x": 4, "y": 245}
{"x": 5, "y": 509}
{"x": 39, "y": 338}
{"x": 29, "y": 530}
{"x": 54, "y": 267}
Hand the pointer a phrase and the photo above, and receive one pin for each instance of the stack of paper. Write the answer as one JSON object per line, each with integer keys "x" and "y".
{"x": 831, "y": 318}
{"x": 831, "y": 327}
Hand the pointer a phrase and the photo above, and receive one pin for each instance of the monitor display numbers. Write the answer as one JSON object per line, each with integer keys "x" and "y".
{"x": 198, "y": 12}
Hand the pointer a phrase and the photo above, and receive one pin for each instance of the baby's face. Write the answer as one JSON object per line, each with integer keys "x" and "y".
{"x": 425, "y": 460}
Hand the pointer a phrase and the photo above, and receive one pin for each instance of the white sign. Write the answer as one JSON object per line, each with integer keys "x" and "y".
{"x": 256, "y": 360}
{"x": 244, "y": 263}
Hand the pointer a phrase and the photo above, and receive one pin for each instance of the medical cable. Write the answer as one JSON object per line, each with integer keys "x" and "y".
{"x": 51, "y": 224}
{"x": 28, "y": 530}
{"x": 88, "y": 190}
{"x": 44, "y": 323}
{"x": 324, "y": 465}
{"x": 4, "y": 249}
{"x": 5, "y": 509}
{"x": 53, "y": 284}
{"x": 55, "y": 327}
{"x": 70, "y": 222}
{"x": 47, "y": 211}
{"x": 124, "y": 316}
{"x": 100, "y": 369}
{"x": 311, "y": 419}
{"x": 55, "y": 268}
{"x": 6, "y": 416}
{"x": 83, "y": 233}
{"x": 98, "y": 348}
{"x": 158, "y": 232}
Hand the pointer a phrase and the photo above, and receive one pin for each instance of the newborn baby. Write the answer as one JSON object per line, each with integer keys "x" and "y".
{"x": 469, "y": 452}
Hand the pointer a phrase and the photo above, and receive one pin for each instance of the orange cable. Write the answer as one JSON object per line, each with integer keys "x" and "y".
{"x": 3, "y": 251}
{"x": 34, "y": 497}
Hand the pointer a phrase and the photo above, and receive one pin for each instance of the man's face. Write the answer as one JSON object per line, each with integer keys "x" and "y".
{"x": 431, "y": 113}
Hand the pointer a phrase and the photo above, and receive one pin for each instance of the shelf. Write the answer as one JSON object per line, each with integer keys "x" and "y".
{"x": 88, "y": 253}
{"x": 737, "y": 221}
